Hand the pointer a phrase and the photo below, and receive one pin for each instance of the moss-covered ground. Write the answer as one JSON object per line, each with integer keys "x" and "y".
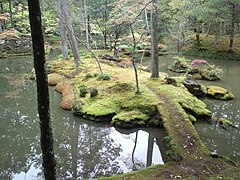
{"x": 209, "y": 50}
{"x": 157, "y": 104}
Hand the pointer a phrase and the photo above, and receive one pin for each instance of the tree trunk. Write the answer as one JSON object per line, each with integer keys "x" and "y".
{"x": 232, "y": 27}
{"x": 49, "y": 163}
{"x": 71, "y": 34}
{"x": 133, "y": 61}
{"x": 198, "y": 43}
{"x": 86, "y": 17}
{"x": 10, "y": 11}
{"x": 154, "y": 43}
{"x": 150, "y": 149}
{"x": 63, "y": 36}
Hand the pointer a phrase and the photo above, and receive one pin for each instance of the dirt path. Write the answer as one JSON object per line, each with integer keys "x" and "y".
{"x": 178, "y": 126}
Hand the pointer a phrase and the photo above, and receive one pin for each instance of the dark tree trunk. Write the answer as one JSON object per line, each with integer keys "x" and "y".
{"x": 198, "y": 43}
{"x": 49, "y": 163}
{"x": 150, "y": 149}
{"x": 154, "y": 43}
{"x": 232, "y": 27}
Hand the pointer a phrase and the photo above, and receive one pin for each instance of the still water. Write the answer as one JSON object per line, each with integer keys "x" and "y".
{"x": 83, "y": 149}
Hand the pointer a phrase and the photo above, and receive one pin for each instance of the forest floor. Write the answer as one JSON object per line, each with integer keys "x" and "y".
{"x": 188, "y": 158}
{"x": 210, "y": 49}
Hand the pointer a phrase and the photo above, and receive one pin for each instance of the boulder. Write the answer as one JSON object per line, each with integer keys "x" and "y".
{"x": 194, "y": 86}
{"x": 54, "y": 79}
{"x": 66, "y": 102}
{"x": 217, "y": 92}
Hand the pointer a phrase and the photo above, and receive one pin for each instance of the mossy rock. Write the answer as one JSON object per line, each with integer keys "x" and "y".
{"x": 130, "y": 119}
{"x": 225, "y": 122}
{"x": 54, "y": 79}
{"x": 99, "y": 108}
{"x": 217, "y": 92}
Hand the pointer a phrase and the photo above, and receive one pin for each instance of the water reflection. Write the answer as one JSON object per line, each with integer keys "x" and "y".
{"x": 83, "y": 149}
{"x": 225, "y": 141}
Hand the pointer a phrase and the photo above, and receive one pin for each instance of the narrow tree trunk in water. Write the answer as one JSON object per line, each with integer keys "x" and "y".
{"x": 154, "y": 43}
{"x": 42, "y": 90}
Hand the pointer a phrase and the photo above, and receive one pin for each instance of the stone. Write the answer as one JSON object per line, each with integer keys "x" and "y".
{"x": 193, "y": 86}
{"x": 54, "y": 79}
{"x": 217, "y": 92}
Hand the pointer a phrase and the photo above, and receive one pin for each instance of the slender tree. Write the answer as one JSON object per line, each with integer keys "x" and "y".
{"x": 71, "y": 35}
{"x": 49, "y": 163}
{"x": 63, "y": 32}
{"x": 154, "y": 42}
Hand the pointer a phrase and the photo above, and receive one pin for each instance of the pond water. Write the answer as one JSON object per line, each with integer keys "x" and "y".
{"x": 225, "y": 141}
{"x": 83, "y": 149}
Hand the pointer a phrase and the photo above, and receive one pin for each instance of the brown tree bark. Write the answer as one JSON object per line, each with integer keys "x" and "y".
{"x": 49, "y": 163}
{"x": 154, "y": 43}
{"x": 71, "y": 34}
{"x": 232, "y": 27}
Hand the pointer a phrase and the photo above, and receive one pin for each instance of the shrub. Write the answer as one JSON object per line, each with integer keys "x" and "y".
{"x": 104, "y": 77}
{"x": 83, "y": 91}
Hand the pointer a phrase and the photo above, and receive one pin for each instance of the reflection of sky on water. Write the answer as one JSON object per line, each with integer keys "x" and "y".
{"x": 140, "y": 155}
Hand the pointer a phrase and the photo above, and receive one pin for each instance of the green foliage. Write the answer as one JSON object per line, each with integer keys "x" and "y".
{"x": 104, "y": 77}
{"x": 83, "y": 90}
{"x": 93, "y": 92}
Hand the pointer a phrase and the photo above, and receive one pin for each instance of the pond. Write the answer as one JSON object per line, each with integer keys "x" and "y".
{"x": 83, "y": 149}
{"x": 225, "y": 141}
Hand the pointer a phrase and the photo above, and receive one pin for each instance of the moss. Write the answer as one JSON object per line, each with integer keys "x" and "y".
{"x": 104, "y": 77}
{"x": 225, "y": 122}
{"x": 129, "y": 119}
{"x": 54, "y": 79}
{"x": 189, "y": 102}
{"x": 192, "y": 118}
{"x": 100, "y": 107}
{"x": 120, "y": 87}
{"x": 219, "y": 93}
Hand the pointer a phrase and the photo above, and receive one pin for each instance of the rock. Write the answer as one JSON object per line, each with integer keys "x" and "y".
{"x": 170, "y": 80}
{"x": 65, "y": 87}
{"x": 54, "y": 79}
{"x": 217, "y": 92}
{"x": 180, "y": 67}
{"x": 214, "y": 154}
{"x": 110, "y": 58}
{"x": 208, "y": 75}
{"x": 66, "y": 102}
{"x": 193, "y": 86}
